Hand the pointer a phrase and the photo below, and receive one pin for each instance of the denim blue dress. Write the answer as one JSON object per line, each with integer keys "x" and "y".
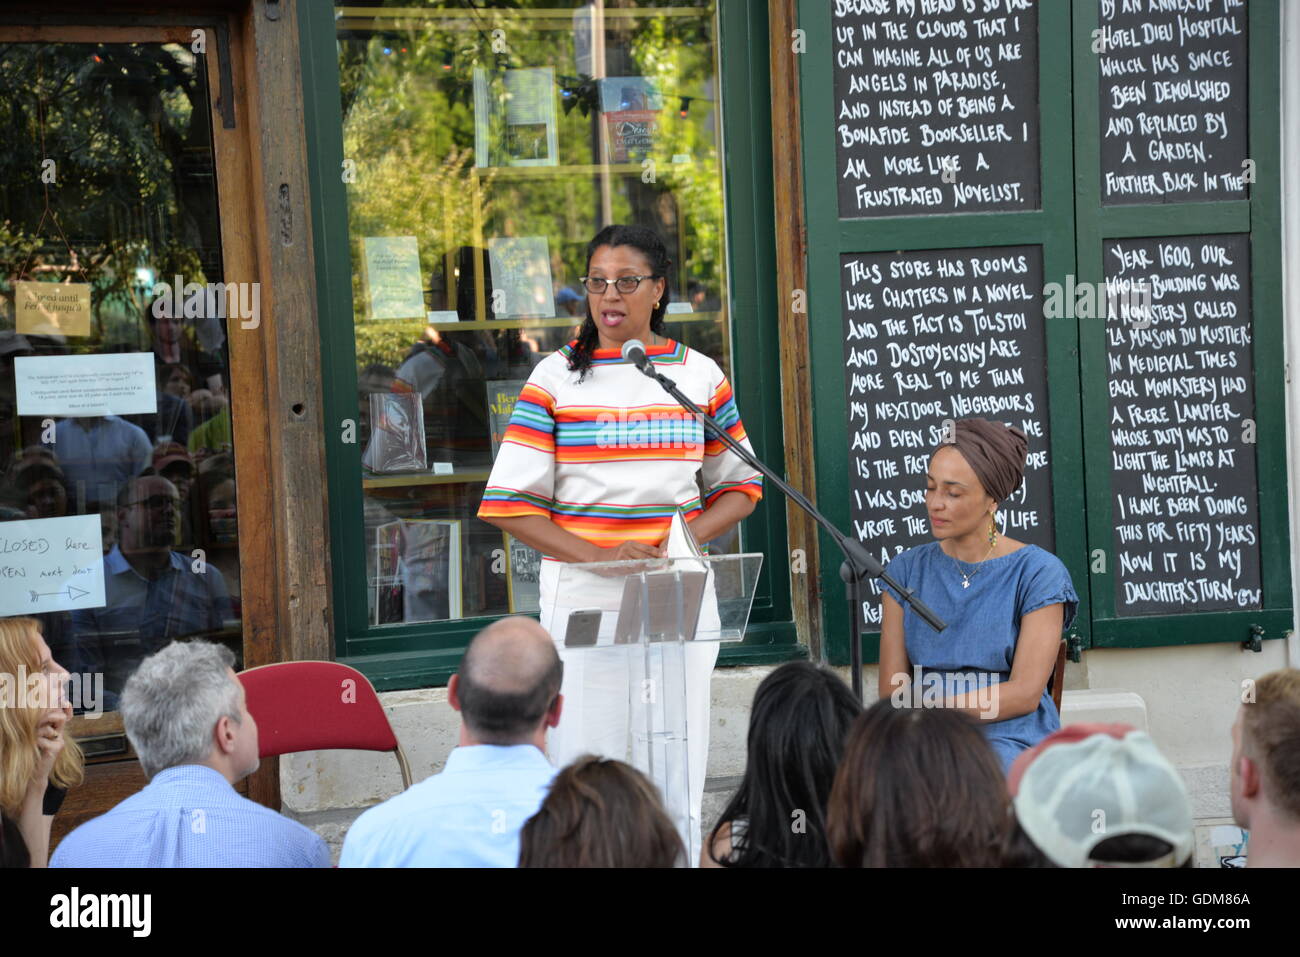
{"x": 979, "y": 644}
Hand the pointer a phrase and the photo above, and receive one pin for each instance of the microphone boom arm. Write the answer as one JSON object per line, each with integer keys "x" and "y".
{"x": 859, "y": 563}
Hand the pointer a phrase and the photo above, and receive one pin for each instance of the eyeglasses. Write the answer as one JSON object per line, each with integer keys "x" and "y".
{"x": 158, "y": 501}
{"x": 624, "y": 284}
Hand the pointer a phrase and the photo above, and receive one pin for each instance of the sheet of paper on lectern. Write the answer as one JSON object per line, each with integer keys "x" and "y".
{"x": 681, "y": 541}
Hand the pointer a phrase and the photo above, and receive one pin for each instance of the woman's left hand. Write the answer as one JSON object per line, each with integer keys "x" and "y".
{"x": 49, "y": 742}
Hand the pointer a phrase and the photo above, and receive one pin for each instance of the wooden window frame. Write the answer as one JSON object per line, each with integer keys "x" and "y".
{"x": 266, "y": 238}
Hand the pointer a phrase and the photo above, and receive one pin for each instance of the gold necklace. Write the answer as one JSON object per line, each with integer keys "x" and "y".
{"x": 965, "y": 583}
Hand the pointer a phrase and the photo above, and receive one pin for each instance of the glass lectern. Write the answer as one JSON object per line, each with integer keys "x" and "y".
{"x": 656, "y": 625}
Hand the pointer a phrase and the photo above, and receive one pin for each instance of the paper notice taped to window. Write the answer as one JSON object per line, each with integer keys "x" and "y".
{"x": 51, "y": 564}
{"x": 52, "y": 308}
{"x": 118, "y": 383}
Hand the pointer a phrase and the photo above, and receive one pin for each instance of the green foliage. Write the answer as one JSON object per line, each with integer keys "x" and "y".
{"x": 386, "y": 343}
{"x": 116, "y": 120}
{"x": 409, "y": 127}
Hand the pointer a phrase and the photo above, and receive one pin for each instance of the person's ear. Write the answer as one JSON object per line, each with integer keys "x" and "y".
{"x": 225, "y": 734}
{"x": 1248, "y": 772}
{"x": 553, "y": 712}
{"x": 453, "y": 692}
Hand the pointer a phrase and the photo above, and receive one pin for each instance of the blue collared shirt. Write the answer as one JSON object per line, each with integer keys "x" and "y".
{"x": 141, "y": 615}
{"x": 102, "y": 455}
{"x": 470, "y": 815}
{"x": 190, "y": 816}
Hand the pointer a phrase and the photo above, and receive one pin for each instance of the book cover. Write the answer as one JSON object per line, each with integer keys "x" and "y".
{"x": 393, "y": 279}
{"x": 632, "y": 110}
{"x": 530, "y": 118}
{"x": 397, "y": 440}
{"x": 417, "y": 571}
{"x": 521, "y": 277}
{"x": 525, "y": 568}
{"x": 502, "y": 394}
{"x": 431, "y": 569}
{"x": 515, "y": 120}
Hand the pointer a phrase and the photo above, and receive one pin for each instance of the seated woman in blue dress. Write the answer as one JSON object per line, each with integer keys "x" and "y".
{"x": 1005, "y": 602}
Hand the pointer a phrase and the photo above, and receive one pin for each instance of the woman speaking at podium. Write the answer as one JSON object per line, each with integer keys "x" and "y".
{"x": 594, "y": 465}
{"x": 1005, "y": 602}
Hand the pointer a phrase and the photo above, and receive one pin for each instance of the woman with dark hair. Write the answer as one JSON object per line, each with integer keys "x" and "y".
{"x": 1005, "y": 602}
{"x": 600, "y": 813}
{"x": 595, "y": 463}
{"x": 797, "y": 726}
{"x": 918, "y": 787}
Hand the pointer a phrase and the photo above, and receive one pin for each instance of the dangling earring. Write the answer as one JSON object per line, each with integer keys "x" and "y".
{"x": 993, "y": 532}
{"x": 656, "y": 304}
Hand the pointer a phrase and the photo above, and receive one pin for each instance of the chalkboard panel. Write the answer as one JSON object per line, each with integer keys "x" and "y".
{"x": 1183, "y": 483}
{"x": 929, "y": 337}
{"x": 936, "y": 106}
{"x": 1173, "y": 101}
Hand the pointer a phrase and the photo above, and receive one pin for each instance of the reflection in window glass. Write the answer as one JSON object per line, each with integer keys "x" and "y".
{"x": 485, "y": 146}
{"x": 107, "y": 201}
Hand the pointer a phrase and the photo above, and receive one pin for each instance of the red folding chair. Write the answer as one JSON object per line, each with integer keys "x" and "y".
{"x": 318, "y": 706}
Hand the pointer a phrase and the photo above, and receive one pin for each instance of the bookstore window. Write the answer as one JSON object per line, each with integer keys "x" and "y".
{"x": 483, "y": 148}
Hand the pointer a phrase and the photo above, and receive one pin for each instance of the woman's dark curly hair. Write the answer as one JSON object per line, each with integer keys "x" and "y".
{"x": 649, "y": 244}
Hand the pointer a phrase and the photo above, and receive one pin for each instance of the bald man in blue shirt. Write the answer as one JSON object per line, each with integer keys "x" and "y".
{"x": 508, "y": 693}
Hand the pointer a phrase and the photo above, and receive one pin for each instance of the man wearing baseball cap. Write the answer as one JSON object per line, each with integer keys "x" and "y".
{"x": 1101, "y": 795}
{"x": 1265, "y": 770}
{"x": 173, "y": 462}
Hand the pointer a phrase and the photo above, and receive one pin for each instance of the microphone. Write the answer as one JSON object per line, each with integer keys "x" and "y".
{"x": 634, "y": 352}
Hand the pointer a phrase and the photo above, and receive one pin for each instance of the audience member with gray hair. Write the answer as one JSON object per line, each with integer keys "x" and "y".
{"x": 186, "y": 717}
{"x": 508, "y": 693}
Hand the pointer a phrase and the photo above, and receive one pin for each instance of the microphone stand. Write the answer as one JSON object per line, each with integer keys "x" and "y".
{"x": 858, "y": 563}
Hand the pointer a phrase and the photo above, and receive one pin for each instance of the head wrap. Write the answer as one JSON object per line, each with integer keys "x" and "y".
{"x": 994, "y": 451}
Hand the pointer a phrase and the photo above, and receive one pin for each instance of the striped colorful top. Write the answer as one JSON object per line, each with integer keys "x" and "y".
{"x": 609, "y": 459}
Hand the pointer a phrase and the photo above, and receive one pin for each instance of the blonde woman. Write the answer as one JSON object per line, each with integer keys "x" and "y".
{"x": 34, "y": 755}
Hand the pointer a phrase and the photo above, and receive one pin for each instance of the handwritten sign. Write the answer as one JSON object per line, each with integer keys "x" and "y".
{"x": 1183, "y": 481}
{"x": 936, "y": 106}
{"x": 1173, "y": 101}
{"x": 51, "y": 564}
{"x": 934, "y": 336}
{"x": 52, "y": 308}
{"x": 114, "y": 384}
